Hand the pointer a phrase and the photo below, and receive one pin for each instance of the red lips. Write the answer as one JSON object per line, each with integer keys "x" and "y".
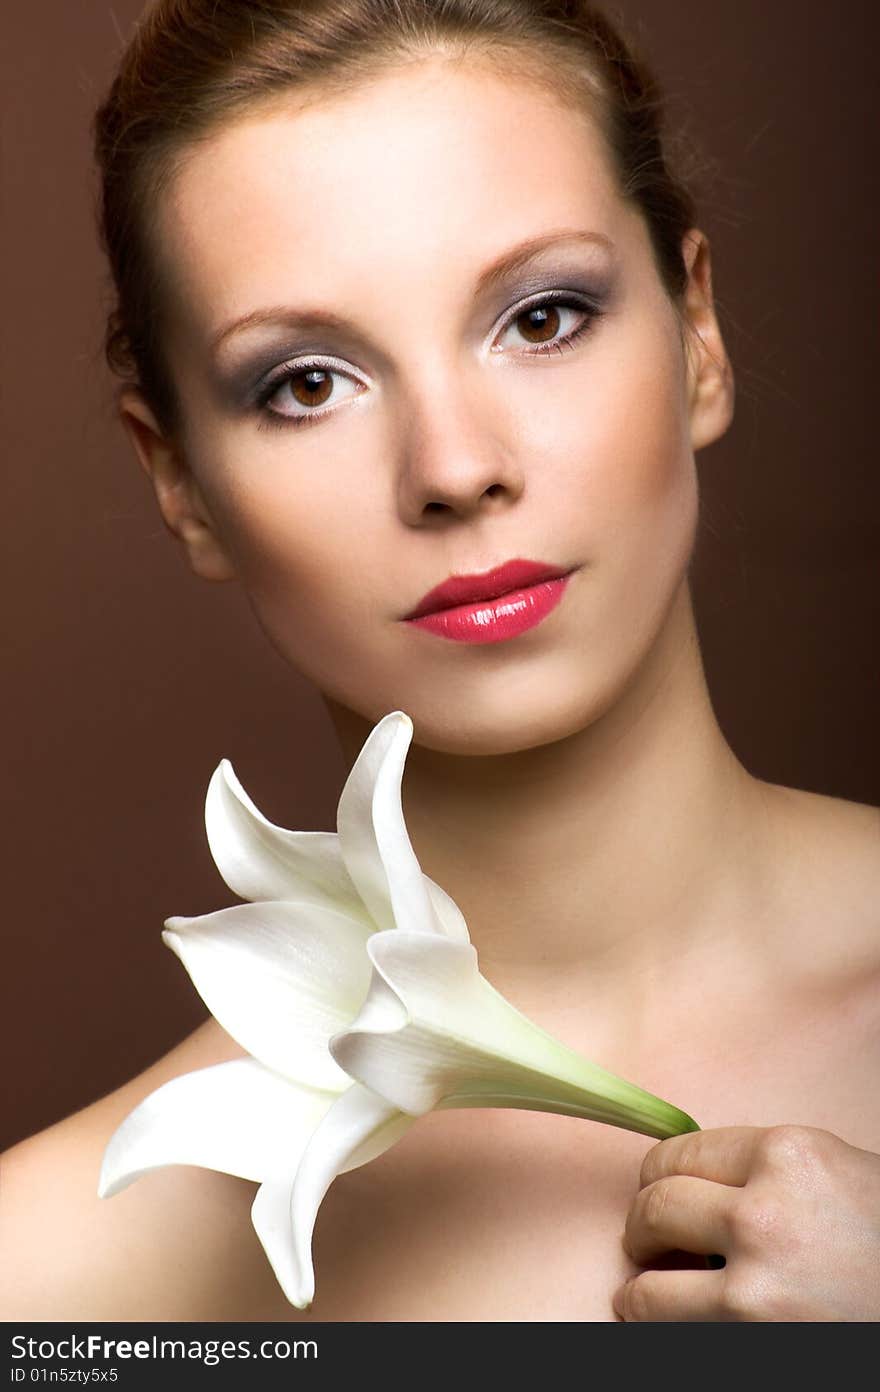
{"x": 466, "y": 589}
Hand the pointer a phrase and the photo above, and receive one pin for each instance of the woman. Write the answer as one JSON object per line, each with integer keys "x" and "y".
{"x": 513, "y": 358}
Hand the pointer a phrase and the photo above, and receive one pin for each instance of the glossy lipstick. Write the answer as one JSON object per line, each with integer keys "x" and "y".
{"x": 494, "y": 606}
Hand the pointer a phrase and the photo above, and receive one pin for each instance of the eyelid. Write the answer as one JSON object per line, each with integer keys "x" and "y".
{"x": 540, "y": 297}
{"x": 319, "y": 362}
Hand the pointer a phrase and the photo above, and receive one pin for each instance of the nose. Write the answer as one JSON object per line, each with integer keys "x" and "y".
{"x": 457, "y": 458}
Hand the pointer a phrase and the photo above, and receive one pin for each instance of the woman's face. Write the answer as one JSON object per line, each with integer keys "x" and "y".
{"x": 459, "y": 414}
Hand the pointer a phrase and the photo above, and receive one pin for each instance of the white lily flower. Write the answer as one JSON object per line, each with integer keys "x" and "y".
{"x": 281, "y": 975}
{"x": 433, "y": 1033}
{"x": 349, "y": 963}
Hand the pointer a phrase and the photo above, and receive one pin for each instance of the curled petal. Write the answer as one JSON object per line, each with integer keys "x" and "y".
{"x": 433, "y": 1032}
{"x": 259, "y": 860}
{"x": 358, "y": 1127}
{"x": 373, "y": 835}
{"x": 281, "y": 978}
{"x": 234, "y": 1117}
{"x": 448, "y": 913}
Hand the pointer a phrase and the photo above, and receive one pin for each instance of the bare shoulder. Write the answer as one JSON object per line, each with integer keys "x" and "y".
{"x": 828, "y": 854}
{"x": 176, "y": 1245}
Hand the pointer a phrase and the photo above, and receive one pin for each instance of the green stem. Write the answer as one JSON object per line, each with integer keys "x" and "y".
{"x": 635, "y": 1110}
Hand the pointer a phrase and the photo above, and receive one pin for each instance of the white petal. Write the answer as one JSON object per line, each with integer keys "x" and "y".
{"x": 373, "y": 835}
{"x": 450, "y": 916}
{"x": 270, "y": 1215}
{"x": 358, "y": 1127}
{"x": 281, "y": 978}
{"x": 433, "y": 1031}
{"x": 234, "y": 1117}
{"x": 259, "y": 860}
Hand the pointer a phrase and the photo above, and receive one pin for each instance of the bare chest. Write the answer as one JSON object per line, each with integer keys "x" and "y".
{"x": 518, "y": 1216}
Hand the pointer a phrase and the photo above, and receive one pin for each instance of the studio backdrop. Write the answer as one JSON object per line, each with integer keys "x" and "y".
{"x": 127, "y": 680}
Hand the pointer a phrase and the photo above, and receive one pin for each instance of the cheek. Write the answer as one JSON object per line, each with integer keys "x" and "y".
{"x": 621, "y": 482}
{"x": 281, "y": 516}
{"x": 644, "y": 494}
{"x": 301, "y": 540}
{"x": 628, "y": 466}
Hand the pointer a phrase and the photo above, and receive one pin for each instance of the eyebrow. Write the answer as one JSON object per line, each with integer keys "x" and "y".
{"x": 504, "y": 265}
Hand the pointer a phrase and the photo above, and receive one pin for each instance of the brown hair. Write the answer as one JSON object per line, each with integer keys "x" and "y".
{"x": 193, "y": 64}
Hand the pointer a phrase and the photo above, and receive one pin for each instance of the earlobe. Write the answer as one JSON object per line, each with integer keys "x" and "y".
{"x": 180, "y": 500}
{"x": 710, "y": 376}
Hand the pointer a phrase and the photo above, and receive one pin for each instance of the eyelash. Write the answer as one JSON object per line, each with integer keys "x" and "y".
{"x": 274, "y": 420}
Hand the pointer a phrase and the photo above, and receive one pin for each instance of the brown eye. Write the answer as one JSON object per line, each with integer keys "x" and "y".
{"x": 300, "y": 393}
{"x": 550, "y": 325}
{"x": 311, "y": 388}
{"x": 539, "y": 324}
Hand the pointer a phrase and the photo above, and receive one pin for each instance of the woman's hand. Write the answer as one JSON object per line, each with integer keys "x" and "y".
{"x": 795, "y": 1212}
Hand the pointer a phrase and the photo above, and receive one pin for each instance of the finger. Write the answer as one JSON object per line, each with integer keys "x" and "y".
{"x": 672, "y": 1295}
{"x": 679, "y": 1214}
{"x": 725, "y": 1155}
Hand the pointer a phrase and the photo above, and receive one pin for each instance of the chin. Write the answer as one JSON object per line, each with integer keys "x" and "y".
{"x": 511, "y": 701}
{"x": 474, "y": 740}
{"x": 537, "y": 702}
{"x": 492, "y": 723}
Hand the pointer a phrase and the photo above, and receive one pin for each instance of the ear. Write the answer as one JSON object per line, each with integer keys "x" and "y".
{"x": 180, "y": 500}
{"x": 710, "y": 382}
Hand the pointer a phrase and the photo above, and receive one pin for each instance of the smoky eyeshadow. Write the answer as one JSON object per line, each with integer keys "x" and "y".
{"x": 239, "y": 385}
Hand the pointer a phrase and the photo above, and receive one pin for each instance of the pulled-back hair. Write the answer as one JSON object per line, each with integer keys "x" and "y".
{"x": 192, "y": 65}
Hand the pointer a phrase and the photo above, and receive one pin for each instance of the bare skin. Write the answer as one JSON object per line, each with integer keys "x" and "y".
{"x": 626, "y": 881}
{"x": 434, "y": 1229}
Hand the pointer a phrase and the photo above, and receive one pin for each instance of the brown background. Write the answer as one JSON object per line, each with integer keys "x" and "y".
{"x": 127, "y": 679}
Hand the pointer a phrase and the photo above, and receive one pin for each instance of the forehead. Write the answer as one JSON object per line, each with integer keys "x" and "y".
{"x": 431, "y": 168}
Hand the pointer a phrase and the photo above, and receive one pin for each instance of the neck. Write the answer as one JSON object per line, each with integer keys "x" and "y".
{"x": 613, "y": 851}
